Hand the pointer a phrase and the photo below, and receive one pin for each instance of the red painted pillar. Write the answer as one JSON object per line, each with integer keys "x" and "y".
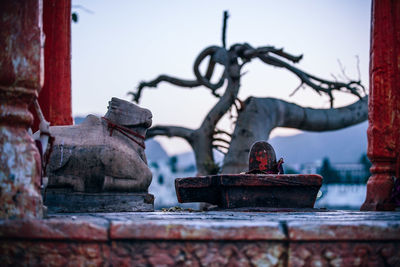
{"x": 55, "y": 97}
{"x": 384, "y": 104}
{"x": 21, "y": 77}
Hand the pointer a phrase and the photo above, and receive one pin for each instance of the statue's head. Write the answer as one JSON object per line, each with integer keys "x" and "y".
{"x": 128, "y": 114}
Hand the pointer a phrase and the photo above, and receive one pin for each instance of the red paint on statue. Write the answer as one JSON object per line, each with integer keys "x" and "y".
{"x": 55, "y": 97}
{"x": 384, "y": 104}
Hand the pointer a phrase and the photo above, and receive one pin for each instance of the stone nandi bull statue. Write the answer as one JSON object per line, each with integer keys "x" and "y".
{"x": 100, "y": 155}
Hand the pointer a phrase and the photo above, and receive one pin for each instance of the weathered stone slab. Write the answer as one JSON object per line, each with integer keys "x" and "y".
{"x": 196, "y": 230}
{"x": 225, "y": 238}
{"x": 65, "y": 201}
{"x": 66, "y": 228}
{"x": 344, "y": 230}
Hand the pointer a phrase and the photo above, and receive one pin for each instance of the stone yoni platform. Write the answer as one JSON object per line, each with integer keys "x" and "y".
{"x": 231, "y": 191}
{"x": 219, "y": 238}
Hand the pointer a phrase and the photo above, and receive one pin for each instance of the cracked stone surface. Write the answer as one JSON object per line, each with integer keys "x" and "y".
{"x": 216, "y": 238}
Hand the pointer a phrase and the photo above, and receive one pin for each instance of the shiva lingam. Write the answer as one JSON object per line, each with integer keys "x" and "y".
{"x": 263, "y": 186}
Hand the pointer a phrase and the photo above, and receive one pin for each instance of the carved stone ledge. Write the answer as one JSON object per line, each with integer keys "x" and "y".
{"x": 344, "y": 254}
{"x": 380, "y": 184}
{"x": 144, "y": 253}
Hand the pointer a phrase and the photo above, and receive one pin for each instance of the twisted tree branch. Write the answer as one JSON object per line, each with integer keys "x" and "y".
{"x": 212, "y": 52}
{"x": 221, "y": 140}
{"x": 171, "y": 131}
{"x": 250, "y": 52}
{"x": 216, "y": 54}
{"x": 162, "y": 78}
{"x": 218, "y": 131}
{"x": 218, "y": 147}
{"x": 317, "y": 84}
{"x": 226, "y": 16}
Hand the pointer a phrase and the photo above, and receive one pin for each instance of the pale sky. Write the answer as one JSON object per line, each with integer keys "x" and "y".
{"x": 124, "y": 42}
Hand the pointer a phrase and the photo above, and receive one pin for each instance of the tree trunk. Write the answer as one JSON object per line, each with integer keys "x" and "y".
{"x": 205, "y": 134}
{"x": 261, "y": 115}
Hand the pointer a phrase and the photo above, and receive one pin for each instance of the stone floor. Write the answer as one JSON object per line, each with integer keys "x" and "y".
{"x": 214, "y": 238}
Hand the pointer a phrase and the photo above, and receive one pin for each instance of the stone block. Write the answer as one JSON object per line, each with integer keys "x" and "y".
{"x": 66, "y": 201}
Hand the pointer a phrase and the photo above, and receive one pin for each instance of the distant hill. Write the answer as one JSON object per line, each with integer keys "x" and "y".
{"x": 341, "y": 146}
{"x": 346, "y": 145}
{"x": 154, "y": 151}
{"x": 79, "y": 120}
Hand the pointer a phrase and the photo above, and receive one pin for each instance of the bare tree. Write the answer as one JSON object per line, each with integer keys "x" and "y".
{"x": 257, "y": 117}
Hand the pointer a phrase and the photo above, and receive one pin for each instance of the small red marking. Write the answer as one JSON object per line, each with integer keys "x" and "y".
{"x": 263, "y": 161}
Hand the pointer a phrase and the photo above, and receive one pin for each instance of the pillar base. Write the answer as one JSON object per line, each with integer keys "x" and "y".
{"x": 379, "y": 190}
{"x": 19, "y": 175}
